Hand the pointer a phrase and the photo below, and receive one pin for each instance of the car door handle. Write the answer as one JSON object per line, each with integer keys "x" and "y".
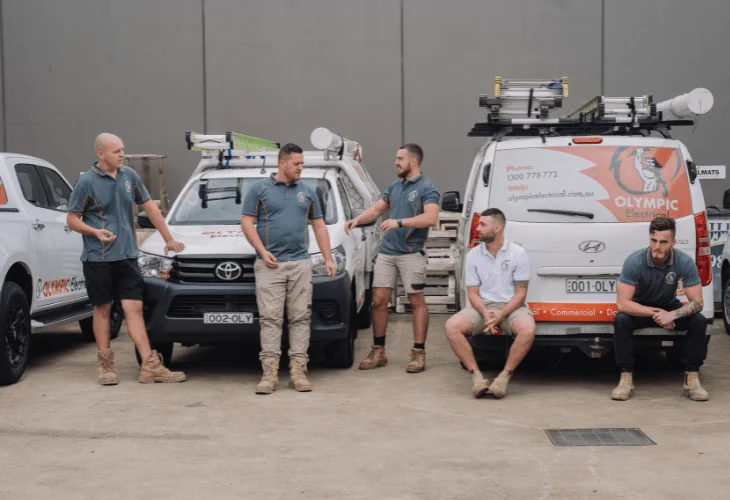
{"x": 67, "y": 229}
{"x": 38, "y": 225}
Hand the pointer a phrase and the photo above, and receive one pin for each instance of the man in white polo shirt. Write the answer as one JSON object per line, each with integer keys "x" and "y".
{"x": 497, "y": 274}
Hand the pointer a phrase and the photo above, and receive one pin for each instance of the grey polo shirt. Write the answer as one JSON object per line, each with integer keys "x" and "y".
{"x": 406, "y": 199}
{"x": 282, "y": 213}
{"x": 108, "y": 203}
{"x": 657, "y": 286}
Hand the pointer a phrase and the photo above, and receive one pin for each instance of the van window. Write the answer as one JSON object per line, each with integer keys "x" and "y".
{"x": 590, "y": 184}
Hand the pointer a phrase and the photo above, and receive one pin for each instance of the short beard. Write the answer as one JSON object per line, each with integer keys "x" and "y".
{"x": 488, "y": 238}
{"x": 405, "y": 173}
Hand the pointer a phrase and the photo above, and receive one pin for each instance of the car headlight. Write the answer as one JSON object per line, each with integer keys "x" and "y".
{"x": 338, "y": 257}
{"x": 154, "y": 266}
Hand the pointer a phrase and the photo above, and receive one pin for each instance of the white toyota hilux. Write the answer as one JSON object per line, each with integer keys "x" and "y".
{"x": 207, "y": 294}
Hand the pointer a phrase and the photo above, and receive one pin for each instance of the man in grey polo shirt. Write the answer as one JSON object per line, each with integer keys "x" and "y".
{"x": 101, "y": 208}
{"x": 413, "y": 204}
{"x": 281, "y": 206}
{"x": 646, "y": 296}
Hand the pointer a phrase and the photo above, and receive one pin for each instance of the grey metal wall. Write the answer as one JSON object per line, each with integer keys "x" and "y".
{"x": 379, "y": 71}
{"x": 668, "y": 47}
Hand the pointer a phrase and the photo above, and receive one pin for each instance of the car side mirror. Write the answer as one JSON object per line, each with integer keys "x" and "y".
{"x": 144, "y": 222}
{"x": 451, "y": 202}
{"x": 692, "y": 170}
{"x": 357, "y": 212}
{"x": 726, "y": 200}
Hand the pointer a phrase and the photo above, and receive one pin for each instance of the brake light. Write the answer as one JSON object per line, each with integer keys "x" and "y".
{"x": 702, "y": 257}
{"x": 587, "y": 140}
{"x": 474, "y": 233}
{"x": 3, "y": 194}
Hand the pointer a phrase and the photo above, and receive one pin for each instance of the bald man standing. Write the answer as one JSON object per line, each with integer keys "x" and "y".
{"x": 101, "y": 209}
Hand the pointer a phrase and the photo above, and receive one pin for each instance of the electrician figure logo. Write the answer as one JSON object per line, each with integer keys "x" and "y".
{"x": 650, "y": 172}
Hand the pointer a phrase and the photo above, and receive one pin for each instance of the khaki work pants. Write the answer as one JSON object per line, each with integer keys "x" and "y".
{"x": 288, "y": 285}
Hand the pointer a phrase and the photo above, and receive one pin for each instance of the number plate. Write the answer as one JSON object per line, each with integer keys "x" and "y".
{"x": 590, "y": 285}
{"x": 227, "y": 318}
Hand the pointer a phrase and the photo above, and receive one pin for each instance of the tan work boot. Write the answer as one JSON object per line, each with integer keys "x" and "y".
{"x": 625, "y": 388}
{"x": 499, "y": 386}
{"x": 375, "y": 359}
{"x": 270, "y": 379}
{"x": 107, "y": 375}
{"x": 298, "y": 375}
{"x": 153, "y": 370}
{"x": 418, "y": 361}
{"x": 692, "y": 387}
{"x": 480, "y": 385}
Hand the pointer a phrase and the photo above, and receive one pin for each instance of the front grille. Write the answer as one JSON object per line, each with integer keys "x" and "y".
{"x": 195, "y": 305}
{"x": 203, "y": 270}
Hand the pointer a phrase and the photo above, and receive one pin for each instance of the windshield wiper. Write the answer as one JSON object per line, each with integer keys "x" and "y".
{"x": 562, "y": 212}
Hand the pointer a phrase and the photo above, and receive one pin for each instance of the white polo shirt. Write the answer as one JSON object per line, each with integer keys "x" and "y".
{"x": 496, "y": 277}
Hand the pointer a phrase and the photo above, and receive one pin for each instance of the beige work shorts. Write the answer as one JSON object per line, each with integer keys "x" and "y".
{"x": 411, "y": 267}
{"x": 506, "y": 326}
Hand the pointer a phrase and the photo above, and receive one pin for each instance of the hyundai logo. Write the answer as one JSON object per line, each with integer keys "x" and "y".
{"x": 592, "y": 246}
{"x": 228, "y": 271}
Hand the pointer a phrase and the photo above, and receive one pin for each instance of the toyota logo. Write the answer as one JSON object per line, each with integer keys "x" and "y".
{"x": 592, "y": 246}
{"x": 228, "y": 271}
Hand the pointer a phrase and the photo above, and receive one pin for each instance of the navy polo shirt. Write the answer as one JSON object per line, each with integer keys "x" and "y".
{"x": 657, "y": 286}
{"x": 406, "y": 199}
{"x": 108, "y": 203}
{"x": 282, "y": 213}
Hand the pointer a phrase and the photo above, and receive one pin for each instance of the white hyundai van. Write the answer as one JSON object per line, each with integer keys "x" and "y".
{"x": 579, "y": 193}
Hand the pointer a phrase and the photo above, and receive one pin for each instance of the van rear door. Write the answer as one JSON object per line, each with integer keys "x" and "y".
{"x": 579, "y": 208}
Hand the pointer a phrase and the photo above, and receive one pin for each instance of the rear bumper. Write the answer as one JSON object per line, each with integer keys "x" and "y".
{"x": 167, "y": 321}
{"x": 595, "y": 340}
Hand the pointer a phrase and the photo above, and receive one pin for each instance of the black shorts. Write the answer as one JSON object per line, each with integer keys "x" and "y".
{"x": 117, "y": 280}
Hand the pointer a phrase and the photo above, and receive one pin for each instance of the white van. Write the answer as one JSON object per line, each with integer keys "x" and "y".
{"x": 579, "y": 193}
{"x": 207, "y": 294}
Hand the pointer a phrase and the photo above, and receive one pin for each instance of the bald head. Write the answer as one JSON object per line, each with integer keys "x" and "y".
{"x": 110, "y": 151}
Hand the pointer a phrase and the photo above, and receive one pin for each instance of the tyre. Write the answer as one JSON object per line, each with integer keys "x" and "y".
{"x": 164, "y": 348}
{"x": 365, "y": 316}
{"x": 14, "y": 333}
{"x": 341, "y": 353}
{"x": 115, "y": 323}
{"x": 726, "y": 305}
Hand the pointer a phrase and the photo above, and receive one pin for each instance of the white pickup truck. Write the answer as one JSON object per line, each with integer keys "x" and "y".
{"x": 42, "y": 276}
{"x": 207, "y": 294}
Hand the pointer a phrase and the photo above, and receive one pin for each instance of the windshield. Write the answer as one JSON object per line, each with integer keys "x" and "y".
{"x": 590, "y": 184}
{"x": 220, "y": 202}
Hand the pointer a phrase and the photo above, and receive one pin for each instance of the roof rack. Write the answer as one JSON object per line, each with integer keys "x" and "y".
{"x": 511, "y": 112}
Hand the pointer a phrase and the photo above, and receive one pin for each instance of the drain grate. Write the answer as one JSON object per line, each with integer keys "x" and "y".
{"x": 599, "y": 437}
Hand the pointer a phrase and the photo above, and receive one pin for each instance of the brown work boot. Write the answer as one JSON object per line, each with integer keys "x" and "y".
{"x": 692, "y": 387}
{"x": 480, "y": 385}
{"x": 375, "y": 359}
{"x": 625, "y": 388}
{"x": 107, "y": 375}
{"x": 270, "y": 379}
{"x": 154, "y": 371}
{"x": 418, "y": 361}
{"x": 298, "y": 375}
{"x": 499, "y": 386}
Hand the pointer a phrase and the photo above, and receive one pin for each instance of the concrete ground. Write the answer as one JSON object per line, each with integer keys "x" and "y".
{"x": 380, "y": 434}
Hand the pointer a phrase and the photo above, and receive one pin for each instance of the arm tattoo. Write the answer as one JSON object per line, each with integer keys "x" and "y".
{"x": 687, "y": 310}
{"x": 521, "y": 284}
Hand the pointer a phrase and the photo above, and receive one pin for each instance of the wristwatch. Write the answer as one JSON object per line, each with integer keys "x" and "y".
{"x": 400, "y": 222}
